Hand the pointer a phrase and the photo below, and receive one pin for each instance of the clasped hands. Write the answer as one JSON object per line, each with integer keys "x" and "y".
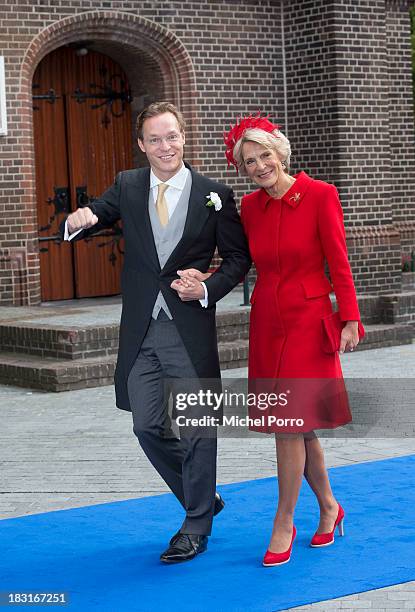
{"x": 189, "y": 286}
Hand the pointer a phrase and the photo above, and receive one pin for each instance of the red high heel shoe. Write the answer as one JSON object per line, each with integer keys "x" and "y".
{"x": 325, "y": 539}
{"x": 271, "y": 559}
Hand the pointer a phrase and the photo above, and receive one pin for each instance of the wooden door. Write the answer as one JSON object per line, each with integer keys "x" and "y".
{"x": 52, "y": 181}
{"x": 82, "y": 136}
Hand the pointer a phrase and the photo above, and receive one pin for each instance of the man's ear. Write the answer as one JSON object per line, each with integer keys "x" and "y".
{"x": 141, "y": 145}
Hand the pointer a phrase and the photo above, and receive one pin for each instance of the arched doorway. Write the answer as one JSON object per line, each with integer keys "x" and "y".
{"x": 157, "y": 65}
{"x": 82, "y": 136}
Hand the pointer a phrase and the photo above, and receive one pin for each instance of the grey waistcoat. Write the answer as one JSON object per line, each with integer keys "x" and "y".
{"x": 166, "y": 238}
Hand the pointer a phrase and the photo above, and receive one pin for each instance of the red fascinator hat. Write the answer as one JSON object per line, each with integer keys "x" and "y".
{"x": 237, "y": 131}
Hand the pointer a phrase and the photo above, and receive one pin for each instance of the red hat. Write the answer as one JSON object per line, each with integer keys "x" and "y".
{"x": 236, "y": 132}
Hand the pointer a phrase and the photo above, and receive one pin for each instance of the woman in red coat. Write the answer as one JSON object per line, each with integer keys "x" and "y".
{"x": 294, "y": 224}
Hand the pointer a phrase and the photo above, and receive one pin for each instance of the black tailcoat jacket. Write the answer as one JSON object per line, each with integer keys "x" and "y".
{"x": 142, "y": 278}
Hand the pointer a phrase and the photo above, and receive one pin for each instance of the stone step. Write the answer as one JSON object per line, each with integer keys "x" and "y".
{"x": 59, "y": 342}
{"x": 387, "y": 308}
{"x": 384, "y": 334}
{"x": 52, "y": 374}
{"x": 398, "y": 308}
{"x": 232, "y": 325}
{"x": 92, "y": 341}
{"x": 233, "y": 354}
{"x": 57, "y": 375}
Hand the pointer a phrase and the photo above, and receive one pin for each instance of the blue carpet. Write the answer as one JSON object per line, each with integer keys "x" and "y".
{"x": 106, "y": 556}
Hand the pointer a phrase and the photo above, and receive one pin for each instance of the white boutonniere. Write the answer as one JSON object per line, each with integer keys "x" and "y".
{"x": 214, "y": 200}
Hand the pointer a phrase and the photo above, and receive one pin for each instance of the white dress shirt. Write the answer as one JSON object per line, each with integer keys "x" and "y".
{"x": 176, "y": 185}
{"x": 172, "y": 195}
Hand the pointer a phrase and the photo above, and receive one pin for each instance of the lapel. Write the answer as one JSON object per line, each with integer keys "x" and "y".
{"x": 197, "y": 215}
{"x": 139, "y": 194}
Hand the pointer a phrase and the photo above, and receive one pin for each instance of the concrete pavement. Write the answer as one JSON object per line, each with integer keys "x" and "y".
{"x": 74, "y": 449}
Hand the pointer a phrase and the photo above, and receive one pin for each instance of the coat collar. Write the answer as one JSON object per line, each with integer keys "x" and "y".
{"x": 293, "y": 196}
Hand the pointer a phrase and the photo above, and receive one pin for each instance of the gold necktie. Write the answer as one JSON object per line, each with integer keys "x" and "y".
{"x": 161, "y": 205}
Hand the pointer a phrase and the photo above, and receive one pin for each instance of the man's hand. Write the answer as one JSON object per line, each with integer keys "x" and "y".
{"x": 82, "y": 218}
{"x": 188, "y": 288}
{"x": 350, "y": 336}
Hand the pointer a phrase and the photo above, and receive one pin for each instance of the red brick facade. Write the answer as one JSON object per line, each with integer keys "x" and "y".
{"x": 351, "y": 116}
{"x": 335, "y": 74}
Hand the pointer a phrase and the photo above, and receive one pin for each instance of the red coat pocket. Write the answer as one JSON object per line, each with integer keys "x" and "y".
{"x": 316, "y": 285}
{"x": 332, "y": 330}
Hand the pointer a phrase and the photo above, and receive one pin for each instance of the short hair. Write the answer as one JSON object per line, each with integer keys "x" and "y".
{"x": 158, "y": 108}
{"x": 276, "y": 141}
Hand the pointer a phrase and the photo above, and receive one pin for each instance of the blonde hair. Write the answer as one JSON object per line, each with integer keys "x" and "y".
{"x": 276, "y": 141}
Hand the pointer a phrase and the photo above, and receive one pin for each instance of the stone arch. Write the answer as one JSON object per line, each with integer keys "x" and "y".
{"x": 131, "y": 40}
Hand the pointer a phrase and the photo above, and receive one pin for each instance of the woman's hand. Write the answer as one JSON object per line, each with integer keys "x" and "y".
{"x": 192, "y": 273}
{"x": 349, "y": 337}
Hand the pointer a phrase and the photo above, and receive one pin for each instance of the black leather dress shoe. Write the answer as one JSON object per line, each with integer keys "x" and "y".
{"x": 219, "y": 505}
{"x": 184, "y": 548}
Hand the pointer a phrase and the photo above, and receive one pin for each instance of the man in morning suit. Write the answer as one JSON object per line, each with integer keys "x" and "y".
{"x": 169, "y": 332}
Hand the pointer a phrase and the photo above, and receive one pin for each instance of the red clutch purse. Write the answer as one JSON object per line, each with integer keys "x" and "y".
{"x": 332, "y": 330}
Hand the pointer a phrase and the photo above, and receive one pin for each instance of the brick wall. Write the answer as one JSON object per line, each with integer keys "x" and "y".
{"x": 348, "y": 65}
{"x": 213, "y": 58}
{"x": 347, "y": 68}
{"x": 401, "y": 123}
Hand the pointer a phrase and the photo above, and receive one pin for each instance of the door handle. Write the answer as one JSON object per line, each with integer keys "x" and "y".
{"x": 60, "y": 200}
{"x": 82, "y": 197}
